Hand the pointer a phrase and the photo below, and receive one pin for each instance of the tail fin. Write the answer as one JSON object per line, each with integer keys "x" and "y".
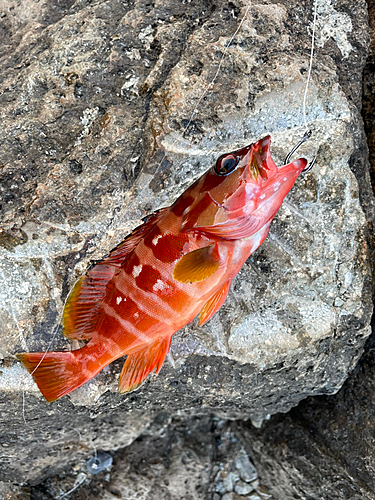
{"x": 56, "y": 373}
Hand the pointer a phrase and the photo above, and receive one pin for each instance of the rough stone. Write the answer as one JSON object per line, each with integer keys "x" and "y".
{"x": 94, "y": 99}
{"x": 245, "y": 468}
{"x": 242, "y": 488}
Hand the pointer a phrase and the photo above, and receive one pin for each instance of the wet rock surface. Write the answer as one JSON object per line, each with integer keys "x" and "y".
{"x": 323, "y": 448}
{"x": 95, "y": 97}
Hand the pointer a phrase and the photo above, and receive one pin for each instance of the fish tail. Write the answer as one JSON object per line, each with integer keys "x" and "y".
{"x": 55, "y": 373}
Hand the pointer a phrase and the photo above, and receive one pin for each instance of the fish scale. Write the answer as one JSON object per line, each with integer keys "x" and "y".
{"x": 179, "y": 263}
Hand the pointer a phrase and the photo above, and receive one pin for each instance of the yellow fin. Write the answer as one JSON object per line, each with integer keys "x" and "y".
{"x": 197, "y": 265}
{"x": 214, "y": 303}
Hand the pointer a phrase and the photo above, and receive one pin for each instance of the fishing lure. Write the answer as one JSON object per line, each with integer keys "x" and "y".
{"x": 179, "y": 263}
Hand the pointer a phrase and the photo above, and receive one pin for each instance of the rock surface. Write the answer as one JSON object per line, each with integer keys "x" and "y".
{"x": 323, "y": 448}
{"x": 95, "y": 97}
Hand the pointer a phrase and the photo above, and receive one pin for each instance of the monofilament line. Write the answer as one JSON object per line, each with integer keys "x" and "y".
{"x": 211, "y": 82}
{"x": 310, "y": 64}
{"x": 48, "y": 348}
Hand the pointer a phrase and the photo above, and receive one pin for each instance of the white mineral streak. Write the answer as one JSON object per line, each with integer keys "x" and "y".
{"x": 89, "y": 115}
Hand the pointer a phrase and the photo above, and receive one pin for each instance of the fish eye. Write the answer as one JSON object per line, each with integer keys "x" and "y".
{"x": 226, "y": 164}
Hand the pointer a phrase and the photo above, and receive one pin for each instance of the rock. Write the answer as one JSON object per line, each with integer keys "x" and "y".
{"x": 225, "y": 481}
{"x": 323, "y": 448}
{"x": 227, "y": 496}
{"x": 245, "y": 468}
{"x": 94, "y": 100}
{"x": 242, "y": 488}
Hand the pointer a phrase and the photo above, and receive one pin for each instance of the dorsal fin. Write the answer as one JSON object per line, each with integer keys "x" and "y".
{"x": 83, "y": 305}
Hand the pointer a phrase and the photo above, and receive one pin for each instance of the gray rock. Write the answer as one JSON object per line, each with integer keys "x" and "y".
{"x": 225, "y": 481}
{"x": 245, "y": 468}
{"x": 242, "y": 488}
{"x": 95, "y": 97}
{"x": 227, "y": 496}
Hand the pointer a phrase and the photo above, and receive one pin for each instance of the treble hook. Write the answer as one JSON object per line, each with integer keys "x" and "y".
{"x": 306, "y": 136}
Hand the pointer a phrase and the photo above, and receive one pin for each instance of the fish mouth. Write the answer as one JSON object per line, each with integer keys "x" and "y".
{"x": 294, "y": 166}
{"x": 259, "y": 164}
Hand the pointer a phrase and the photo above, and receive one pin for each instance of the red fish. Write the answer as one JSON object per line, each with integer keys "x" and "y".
{"x": 179, "y": 263}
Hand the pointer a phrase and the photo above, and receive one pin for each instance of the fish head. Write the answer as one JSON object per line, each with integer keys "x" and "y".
{"x": 245, "y": 183}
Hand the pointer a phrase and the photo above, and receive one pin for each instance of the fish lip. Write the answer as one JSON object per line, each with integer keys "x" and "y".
{"x": 294, "y": 165}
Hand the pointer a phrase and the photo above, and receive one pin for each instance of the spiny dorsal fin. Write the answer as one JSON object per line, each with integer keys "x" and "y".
{"x": 117, "y": 255}
{"x": 84, "y": 302}
{"x": 197, "y": 265}
{"x": 214, "y": 303}
{"x": 140, "y": 364}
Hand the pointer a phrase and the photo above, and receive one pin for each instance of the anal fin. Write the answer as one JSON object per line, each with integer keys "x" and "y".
{"x": 214, "y": 303}
{"x": 141, "y": 363}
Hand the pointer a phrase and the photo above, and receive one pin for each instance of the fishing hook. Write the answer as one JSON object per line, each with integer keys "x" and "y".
{"x": 306, "y": 136}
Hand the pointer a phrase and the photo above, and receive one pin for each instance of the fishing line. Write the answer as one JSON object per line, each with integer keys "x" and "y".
{"x": 48, "y": 347}
{"x": 73, "y": 489}
{"x": 208, "y": 86}
{"x": 310, "y": 65}
{"x": 178, "y": 139}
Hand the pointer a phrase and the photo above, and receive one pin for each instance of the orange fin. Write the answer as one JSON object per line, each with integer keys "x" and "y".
{"x": 83, "y": 305}
{"x": 214, "y": 303}
{"x": 197, "y": 265}
{"x": 81, "y": 309}
{"x": 140, "y": 364}
{"x": 56, "y": 373}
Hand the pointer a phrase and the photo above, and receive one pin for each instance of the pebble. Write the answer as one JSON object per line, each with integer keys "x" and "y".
{"x": 246, "y": 469}
{"x": 226, "y": 484}
{"x": 227, "y": 496}
{"x": 242, "y": 488}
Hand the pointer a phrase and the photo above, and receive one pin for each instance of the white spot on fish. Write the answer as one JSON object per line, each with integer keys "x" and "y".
{"x": 118, "y": 300}
{"x": 285, "y": 179}
{"x": 136, "y": 315}
{"x": 276, "y": 186}
{"x": 262, "y": 196}
{"x": 159, "y": 285}
{"x": 137, "y": 270}
{"x": 156, "y": 239}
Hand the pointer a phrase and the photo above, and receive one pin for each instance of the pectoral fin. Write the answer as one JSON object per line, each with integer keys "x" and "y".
{"x": 214, "y": 303}
{"x": 197, "y": 265}
{"x": 140, "y": 364}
